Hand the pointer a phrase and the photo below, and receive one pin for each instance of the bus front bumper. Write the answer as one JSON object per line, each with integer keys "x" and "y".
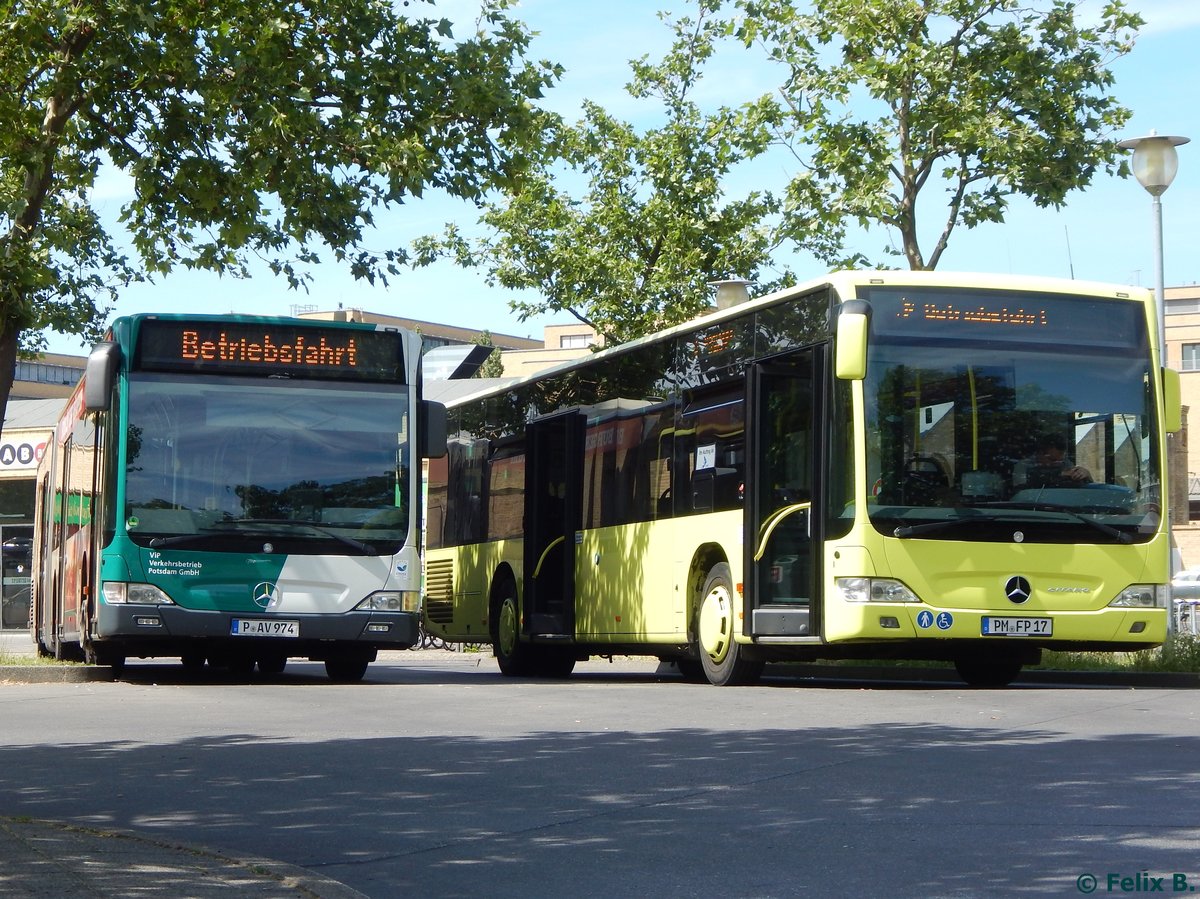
{"x": 290, "y": 632}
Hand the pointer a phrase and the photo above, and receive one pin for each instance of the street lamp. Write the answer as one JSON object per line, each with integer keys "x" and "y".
{"x": 731, "y": 291}
{"x": 1155, "y": 163}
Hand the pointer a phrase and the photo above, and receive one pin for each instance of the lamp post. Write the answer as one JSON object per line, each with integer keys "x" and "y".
{"x": 1155, "y": 163}
{"x": 731, "y": 291}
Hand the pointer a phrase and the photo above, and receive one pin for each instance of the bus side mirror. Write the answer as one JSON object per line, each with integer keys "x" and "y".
{"x": 431, "y": 429}
{"x": 98, "y": 376}
{"x": 853, "y": 324}
{"x": 1172, "y": 401}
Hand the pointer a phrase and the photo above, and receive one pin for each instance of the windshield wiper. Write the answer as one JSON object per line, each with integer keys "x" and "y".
{"x": 159, "y": 542}
{"x": 219, "y": 528}
{"x": 929, "y": 527}
{"x": 1038, "y": 506}
{"x": 913, "y": 530}
{"x": 365, "y": 549}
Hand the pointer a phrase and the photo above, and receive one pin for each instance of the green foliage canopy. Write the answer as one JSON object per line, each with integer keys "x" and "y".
{"x": 987, "y": 98}
{"x": 272, "y": 129}
{"x": 624, "y": 228}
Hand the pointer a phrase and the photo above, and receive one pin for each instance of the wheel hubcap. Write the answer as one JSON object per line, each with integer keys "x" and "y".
{"x": 508, "y": 627}
{"x": 716, "y": 622}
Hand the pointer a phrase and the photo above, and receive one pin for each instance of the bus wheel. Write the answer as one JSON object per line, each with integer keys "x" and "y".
{"x": 193, "y": 661}
{"x": 988, "y": 671}
{"x": 514, "y": 658}
{"x": 94, "y": 654}
{"x": 555, "y": 662}
{"x": 347, "y": 669}
{"x": 723, "y": 659}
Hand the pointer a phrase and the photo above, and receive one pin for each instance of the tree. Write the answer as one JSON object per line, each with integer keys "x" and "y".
{"x": 493, "y": 365}
{"x": 271, "y": 129}
{"x": 883, "y": 98}
{"x": 634, "y": 249}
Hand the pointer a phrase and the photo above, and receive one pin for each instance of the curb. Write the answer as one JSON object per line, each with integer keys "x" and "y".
{"x": 66, "y": 859}
{"x": 55, "y": 674}
{"x": 1035, "y": 676}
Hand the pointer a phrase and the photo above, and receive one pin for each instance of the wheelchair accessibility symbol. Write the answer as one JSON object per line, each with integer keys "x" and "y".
{"x": 926, "y": 620}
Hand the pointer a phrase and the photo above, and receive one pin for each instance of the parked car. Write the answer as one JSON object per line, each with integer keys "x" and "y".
{"x": 1186, "y": 584}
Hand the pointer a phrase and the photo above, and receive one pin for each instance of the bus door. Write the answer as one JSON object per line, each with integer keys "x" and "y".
{"x": 553, "y": 499}
{"x": 782, "y": 462}
{"x": 16, "y": 557}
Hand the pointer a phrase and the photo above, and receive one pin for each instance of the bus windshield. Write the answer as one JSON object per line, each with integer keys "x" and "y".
{"x": 216, "y": 463}
{"x": 1044, "y": 437}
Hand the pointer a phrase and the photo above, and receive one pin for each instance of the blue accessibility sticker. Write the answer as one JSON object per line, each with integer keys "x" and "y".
{"x": 925, "y": 619}
{"x": 945, "y": 621}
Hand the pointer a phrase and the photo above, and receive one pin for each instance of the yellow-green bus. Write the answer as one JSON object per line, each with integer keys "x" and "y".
{"x": 857, "y": 467}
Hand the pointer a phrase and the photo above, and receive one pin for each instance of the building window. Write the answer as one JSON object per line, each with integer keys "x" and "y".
{"x": 1191, "y": 357}
{"x": 575, "y": 341}
{"x": 46, "y": 373}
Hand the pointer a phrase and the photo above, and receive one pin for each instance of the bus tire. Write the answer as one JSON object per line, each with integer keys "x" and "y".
{"x": 97, "y": 654}
{"x": 723, "y": 658}
{"x": 193, "y": 660}
{"x": 988, "y": 670}
{"x": 514, "y": 657}
{"x": 349, "y": 668}
{"x": 555, "y": 662}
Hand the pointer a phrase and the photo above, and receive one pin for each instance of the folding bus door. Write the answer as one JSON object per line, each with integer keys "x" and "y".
{"x": 783, "y": 461}
{"x": 553, "y": 491}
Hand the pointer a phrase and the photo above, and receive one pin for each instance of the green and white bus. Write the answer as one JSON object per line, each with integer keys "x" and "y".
{"x": 236, "y": 490}
{"x": 845, "y": 469}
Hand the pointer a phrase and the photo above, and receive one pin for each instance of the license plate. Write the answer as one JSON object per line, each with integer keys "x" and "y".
{"x": 264, "y": 627}
{"x": 1018, "y": 627}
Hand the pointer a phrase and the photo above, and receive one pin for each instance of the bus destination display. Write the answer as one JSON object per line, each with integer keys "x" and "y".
{"x": 1006, "y": 316}
{"x": 264, "y": 348}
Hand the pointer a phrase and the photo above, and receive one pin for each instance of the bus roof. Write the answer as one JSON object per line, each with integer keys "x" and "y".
{"x": 843, "y": 282}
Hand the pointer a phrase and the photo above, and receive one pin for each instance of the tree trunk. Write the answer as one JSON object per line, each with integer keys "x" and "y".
{"x": 9, "y": 340}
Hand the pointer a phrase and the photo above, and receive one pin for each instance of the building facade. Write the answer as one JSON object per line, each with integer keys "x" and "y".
{"x": 1182, "y": 321}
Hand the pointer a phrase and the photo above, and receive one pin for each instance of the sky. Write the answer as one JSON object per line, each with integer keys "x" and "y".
{"x": 1104, "y": 233}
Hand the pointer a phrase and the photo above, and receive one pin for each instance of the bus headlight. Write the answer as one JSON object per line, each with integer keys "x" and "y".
{"x": 120, "y": 593}
{"x": 391, "y": 601}
{"x": 873, "y": 589}
{"x": 1141, "y": 596}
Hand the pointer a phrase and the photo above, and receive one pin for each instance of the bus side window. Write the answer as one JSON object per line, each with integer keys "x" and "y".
{"x": 712, "y": 435}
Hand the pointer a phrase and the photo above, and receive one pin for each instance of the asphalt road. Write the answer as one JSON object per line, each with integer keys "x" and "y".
{"x": 439, "y": 777}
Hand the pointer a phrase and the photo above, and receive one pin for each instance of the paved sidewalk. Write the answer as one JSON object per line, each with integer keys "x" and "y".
{"x": 44, "y": 859}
